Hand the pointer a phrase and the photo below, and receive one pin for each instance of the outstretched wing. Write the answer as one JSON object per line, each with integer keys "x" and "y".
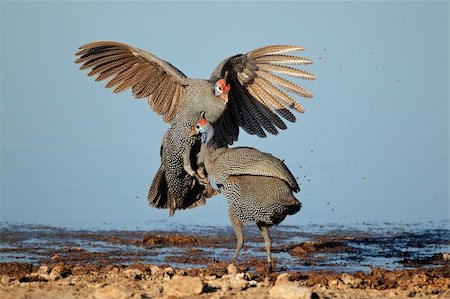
{"x": 127, "y": 67}
{"x": 259, "y": 95}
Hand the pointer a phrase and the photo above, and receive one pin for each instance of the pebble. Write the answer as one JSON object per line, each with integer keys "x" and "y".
{"x": 5, "y": 280}
{"x": 169, "y": 272}
{"x": 239, "y": 282}
{"x": 42, "y": 273}
{"x": 155, "y": 270}
{"x": 350, "y": 280}
{"x": 55, "y": 258}
{"x": 290, "y": 291}
{"x": 77, "y": 270}
{"x": 182, "y": 286}
{"x": 282, "y": 278}
{"x": 133, "y": 274}
{"x": 333, "y": 282}
{"x": 43, "y": 270}
{"x": 56, "y": 272}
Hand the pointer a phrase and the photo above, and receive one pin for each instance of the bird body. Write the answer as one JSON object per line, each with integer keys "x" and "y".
{"x": 263, "y": 200}
{"x": 258, "y": 186}
{"x": 178, "y": 149}
{"x": 244, "y": 91}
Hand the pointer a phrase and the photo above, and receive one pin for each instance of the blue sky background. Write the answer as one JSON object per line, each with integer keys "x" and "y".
{"x": 372, "y": 145}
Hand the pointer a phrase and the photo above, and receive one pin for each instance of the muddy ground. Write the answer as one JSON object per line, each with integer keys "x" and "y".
{"x": 316, "y": 262}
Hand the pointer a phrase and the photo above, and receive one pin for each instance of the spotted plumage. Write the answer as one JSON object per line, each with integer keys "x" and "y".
{"x": 244, "y": 91}
{"x": 258, "y": 186}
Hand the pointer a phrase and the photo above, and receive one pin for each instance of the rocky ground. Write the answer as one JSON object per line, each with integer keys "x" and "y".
{"x": 58, "y": 280}
{"x": 46, "y": 262}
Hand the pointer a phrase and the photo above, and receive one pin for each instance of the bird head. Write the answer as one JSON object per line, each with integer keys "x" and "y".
{"x": 203, "y": 129}
{"x": 221, "y": 89}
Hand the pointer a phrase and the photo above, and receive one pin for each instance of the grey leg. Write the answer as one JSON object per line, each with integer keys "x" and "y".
{"x": 265, "y": 233}
{"x": 239, "y": 235}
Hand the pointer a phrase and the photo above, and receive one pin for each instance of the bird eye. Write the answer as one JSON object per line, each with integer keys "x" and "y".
{"x": 218, "y": 90}
{"x": 197, "y": 126}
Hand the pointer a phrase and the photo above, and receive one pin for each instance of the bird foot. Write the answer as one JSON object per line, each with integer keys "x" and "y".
{"x": 210, "y": 191}
{"x": 270, "y": 266}
{"x": 232, "y": 269}
{"x": 202, "y": 180}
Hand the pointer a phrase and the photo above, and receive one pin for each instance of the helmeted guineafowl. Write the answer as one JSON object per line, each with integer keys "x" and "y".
{"x": 258, "y": 186}
{"x": 243, "y": 91}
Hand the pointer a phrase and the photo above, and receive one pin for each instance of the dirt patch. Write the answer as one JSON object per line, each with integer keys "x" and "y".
{"x": 172, "y": 240}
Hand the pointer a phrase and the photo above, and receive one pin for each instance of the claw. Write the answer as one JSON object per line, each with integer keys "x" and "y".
{"x": 204, "y": 181}
{"x": 201, "y": 180}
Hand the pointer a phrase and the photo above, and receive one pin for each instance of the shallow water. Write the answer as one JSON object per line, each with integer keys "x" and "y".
{"x": 330, "y": 247}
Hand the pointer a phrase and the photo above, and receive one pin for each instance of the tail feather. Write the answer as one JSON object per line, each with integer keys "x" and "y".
{"x": 292, "y": 205}
{"x": 157, "y": 195}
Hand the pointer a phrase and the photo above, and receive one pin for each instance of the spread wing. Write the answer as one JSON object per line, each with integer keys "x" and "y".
{"x": 259, "y": 97}
{"x": 127, "y": 67}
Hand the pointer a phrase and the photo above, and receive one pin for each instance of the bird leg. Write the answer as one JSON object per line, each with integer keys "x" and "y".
{"x": 201, "y": 177}
{"x": 188, "y": 168}
{"x": 201, "y": 171}
{"x": 237, "y": 225}
{"x": 265, "y": 233}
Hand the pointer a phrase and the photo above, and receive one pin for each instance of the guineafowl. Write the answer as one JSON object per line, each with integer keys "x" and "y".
{"x": 258, "y": 186}
{"x": 243, "y": 91}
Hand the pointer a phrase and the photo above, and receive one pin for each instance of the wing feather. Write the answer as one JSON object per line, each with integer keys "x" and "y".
{"x": 258, "y": 96}
{"x": 284, "y": 59}
{"x": 286, "y": 70}
{"x": 286, "y": 84}
{"x": 138, "y": 70}
{"x": 108, "y": 69}
{"x": 274, "y": 49}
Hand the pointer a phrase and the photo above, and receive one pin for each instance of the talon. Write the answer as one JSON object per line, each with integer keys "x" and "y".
{"x": 203, "y": 181}
{"x": 210, "y": 191}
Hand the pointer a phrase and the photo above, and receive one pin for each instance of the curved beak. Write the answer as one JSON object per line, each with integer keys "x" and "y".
{"x": 193, "y": 132}
{"x": 224, "y": 97}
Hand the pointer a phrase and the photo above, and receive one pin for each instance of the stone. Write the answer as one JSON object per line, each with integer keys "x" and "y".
{"x": 78, "y": 270}
{"x": 239, "y": 282}
{"x": 350, "y": 280}
{"x": 133, "y": 274}
{"x": 56, "y": 272}
{"x": 333, "y": 282}
{"x": 169, "y": 272}
{"x": 5, "y": 280}
{"x": 42, "y": 273}
{"x": 181, "y": 286}
{"x": 55, "y": 258}
{"x": 156, "y": 270}
{"x": 290, "y": 291}
{"x": 282, "y": 278}
{"x": 43, "y": 270}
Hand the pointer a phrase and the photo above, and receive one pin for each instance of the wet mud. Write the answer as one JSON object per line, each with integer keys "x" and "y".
{"x": 322, "y": 261}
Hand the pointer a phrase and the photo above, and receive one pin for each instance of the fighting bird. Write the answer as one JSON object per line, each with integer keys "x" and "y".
{"x": 248, "y": 91}
{"x": 258, "y": 186}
